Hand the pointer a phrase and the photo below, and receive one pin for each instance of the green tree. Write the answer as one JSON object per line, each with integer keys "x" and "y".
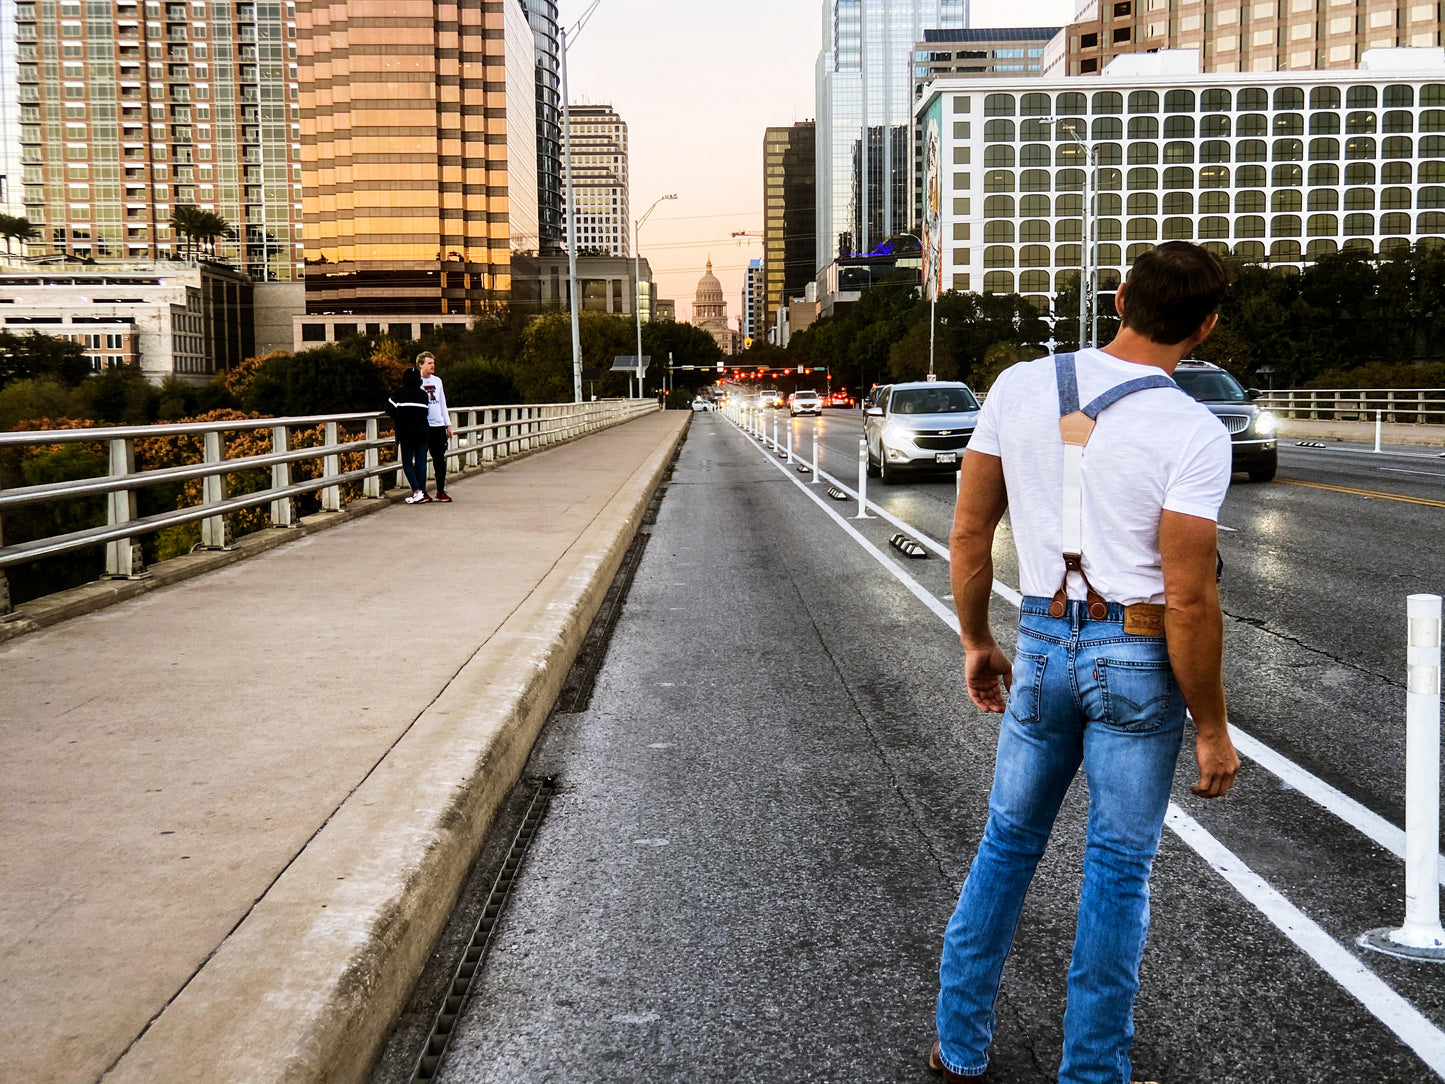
{"x": 189, "y": 222}
{"x": 33, "y": 355}
{"x": 14, "y": 228}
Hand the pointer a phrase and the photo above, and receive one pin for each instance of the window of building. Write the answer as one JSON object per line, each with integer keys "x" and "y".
{"x": 998, "y": 131}
{"x": 1360, "y": 173}
{"x": 1397, "y": 147}
{"x": 1143, "y": 127}
{"x": 1325, "y": 148}
{"x": 1285, "y": 252}
{"x": 1143, "y": 203}
{"x": 1121, "y": 34}
{"x": 1359, "y": 147}
{"x": 1179, "y": 101}
{"x": 1069, "y": 229}
{"x": 1214, "y": 177}
{"x": 1179, "y": 151}
{"x": 1359, "y": 224}
{"x": 1109, "y": 101}
{"x": 1034, "y": 180}
{"x": 1143, "y": 179}
{"x": 999, "y": 232}
{"x": 1286, "y": 200}
{"x": 1324, "y": 175}
{"x": 1034, "y": 207}
{"x": 1035, "y": 154}
{"x": 1108, "y": 154}
{"x": 1179, "y": 177}
{"x": 1400, "y": 96}
{"x": 998, "y": 105}
{"x": 1107, "y": 256}
{"x": 1251, "y": 124}
{"x": 1324, "y": 199}
{"x": 1324, "y": 124}
{"x": 1070, "y": 102}
{"x": 1361, "y": 98}
{"x": 1359, "y": 123}
{"x": 1249, "y": 226}
{"x": 1432, "y": 146}
{"x": 1288, "y": 150}
{"x": 998, "y": 256}
{"x": 1034, "y": 256}
{"x": 1088, "y": 67}
{"x": 1359, "y": 199}
{"x": 1069, "y": 154}
{"x": 1283, "y": 176}
{"x": 998, "y": 207}
{"x": 1431, "y": 196}
{"x": 1178, "y": 229}
{"x": 1431, "y": 222}
{"x": 1398, "y": 120}
{"x": 1325, "y": 98}
{"x": 1395, "y": 223}
{"x": 1143, "y": 101}
{"x": 1109, "y": 203}
{"x": 1178, "y": 203}
{"x": 1000, "y": 156}
{"x": 1284, "y": 226}
{"x": 1249, "y": 150}
{"x": 1108, "y": 180}
{"x": 1033, "y": 105}
{"x": 1214, "y": 150}
{"x": 1108, "y": 229}
{"x": 998, "y": 282}
{"x": 1251, "y": 98}
{"x": 1213, "y": 227}
{"x": 1143, "y": 154}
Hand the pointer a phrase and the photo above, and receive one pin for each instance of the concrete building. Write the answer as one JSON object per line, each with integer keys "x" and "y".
{"x": 710, "y": 312}
{"x": 1292, "y": 35}
{"x": 598, "y": 138}
{"x": 187, "y": 319}
{"x": 542, "y": 14}
{"x": 1006, "y": 51}
{"x": 865, "y": 119}
{"x": 666, "y": 309}
{"x": 754, "y": 287}
{"x": 129, "y": 111}
{"x": 1277, "y": 167}
{"x": 418, "y": 142}
{"x": 790, "y": 193}
{"x": 10, "y": 167}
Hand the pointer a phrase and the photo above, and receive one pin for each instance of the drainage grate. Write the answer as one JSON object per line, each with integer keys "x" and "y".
{"x": 471, "y": 961}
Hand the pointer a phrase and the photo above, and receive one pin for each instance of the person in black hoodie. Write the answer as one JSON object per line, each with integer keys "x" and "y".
{"x": 408, "y": 406}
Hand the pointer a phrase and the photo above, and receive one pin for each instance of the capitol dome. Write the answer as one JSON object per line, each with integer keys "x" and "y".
{"x": 708, "y": 302}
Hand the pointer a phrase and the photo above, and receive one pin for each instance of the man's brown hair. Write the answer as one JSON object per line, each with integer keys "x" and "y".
{"x": 1171, "y": 289}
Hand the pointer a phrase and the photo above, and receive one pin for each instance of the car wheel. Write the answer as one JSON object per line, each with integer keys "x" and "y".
{"x": 1264, "y": 474}
{"x": 872, "y": 466}
{"x": 888, "y": 474}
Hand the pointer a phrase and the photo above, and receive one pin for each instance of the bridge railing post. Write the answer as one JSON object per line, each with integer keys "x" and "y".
{"x": 453, "y": 458}
{"x": 283, "y": 509}
{"x": 213, "y": 491}
{"x": 471, "y": 438}
{"x": 330, "y": 468}
{"x": 371, "y": 486}
{"x": 122, "y": 557}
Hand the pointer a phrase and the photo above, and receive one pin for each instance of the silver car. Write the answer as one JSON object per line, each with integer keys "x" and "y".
{"x": 918, "y": 426}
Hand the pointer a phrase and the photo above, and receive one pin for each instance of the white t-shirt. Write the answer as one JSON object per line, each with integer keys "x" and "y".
{"x": 436, "y": 410}
{"x": 1153, "y": 450}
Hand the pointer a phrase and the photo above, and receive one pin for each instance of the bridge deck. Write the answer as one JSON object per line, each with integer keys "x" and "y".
{"x": 199, "y": 788}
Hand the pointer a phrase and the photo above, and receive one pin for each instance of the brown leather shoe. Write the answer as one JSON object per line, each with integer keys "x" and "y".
{"x": 935, "y": 1062}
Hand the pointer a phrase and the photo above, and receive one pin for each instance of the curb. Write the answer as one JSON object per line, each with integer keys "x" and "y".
{"x": 306, "y": 987}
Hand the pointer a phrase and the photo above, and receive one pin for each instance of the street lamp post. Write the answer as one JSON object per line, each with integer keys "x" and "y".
{"x": 572, "y": 300}
{"x": 637, "y": 280}
{"x": 1086, "y": 269}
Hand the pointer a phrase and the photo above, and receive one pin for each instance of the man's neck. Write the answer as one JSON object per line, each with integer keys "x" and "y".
{"x": 1130, "y": 346}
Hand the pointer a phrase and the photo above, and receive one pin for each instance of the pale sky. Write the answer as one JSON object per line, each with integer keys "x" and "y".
{"x": 697, "y": 83}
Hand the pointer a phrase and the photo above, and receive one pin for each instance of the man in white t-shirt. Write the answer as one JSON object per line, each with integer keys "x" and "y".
{"x": 439, "y": 423}
{"x": 1112, "y": 477}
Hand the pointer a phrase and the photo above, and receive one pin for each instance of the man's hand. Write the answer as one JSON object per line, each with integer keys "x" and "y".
{"x": 984, "y": 668}
{"x": 1218, "y": 764}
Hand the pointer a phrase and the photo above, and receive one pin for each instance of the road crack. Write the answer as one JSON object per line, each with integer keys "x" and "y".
{"x": 1258, "y": 623}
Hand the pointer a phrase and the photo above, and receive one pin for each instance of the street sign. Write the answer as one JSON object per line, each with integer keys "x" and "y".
{"x": 627, "y": 363}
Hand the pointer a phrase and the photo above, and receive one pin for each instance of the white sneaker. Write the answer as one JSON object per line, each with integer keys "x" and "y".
{"x": 417, "y": 498}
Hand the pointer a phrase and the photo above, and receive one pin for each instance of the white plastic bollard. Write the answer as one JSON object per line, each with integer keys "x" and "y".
{"x": 775, "y": 431}
{"x": 862, "y": 479}
{"x": 815, "y": 458}
{"x": 1420, "y": 937}
{"x": 1379, "y": 423}
{"x": 790, "y": 442}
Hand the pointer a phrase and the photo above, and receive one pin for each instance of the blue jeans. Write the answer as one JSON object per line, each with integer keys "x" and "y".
{"x": 1083, "y": 693}
{"x": 413, "y": 462}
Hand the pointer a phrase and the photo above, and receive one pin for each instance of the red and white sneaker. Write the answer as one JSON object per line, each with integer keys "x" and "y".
{"x": 443, "y": 498}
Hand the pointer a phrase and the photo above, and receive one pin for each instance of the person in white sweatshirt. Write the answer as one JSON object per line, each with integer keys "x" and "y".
{"x": 439, "y": 422}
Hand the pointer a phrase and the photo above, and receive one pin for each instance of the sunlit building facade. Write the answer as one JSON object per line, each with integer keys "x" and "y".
{"x": 10, "y": 168}
{"x": 130, "y": 110}
{"x": 598, "y": 140}
{"x": 542, "y": 14}
{"x": 865, "y": 102}
{"x": 789, "y": 214}
{"x": 418, "y": 139}
{"x": 1277, "y": 168}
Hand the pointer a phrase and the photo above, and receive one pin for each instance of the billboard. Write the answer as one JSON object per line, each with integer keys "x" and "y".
{"x": 933, "y": 198}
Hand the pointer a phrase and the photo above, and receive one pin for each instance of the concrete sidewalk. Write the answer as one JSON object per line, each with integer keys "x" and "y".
{"x": 236, "y": 810}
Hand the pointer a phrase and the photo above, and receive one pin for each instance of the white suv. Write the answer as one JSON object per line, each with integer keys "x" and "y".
{"x": 804, "y": 402}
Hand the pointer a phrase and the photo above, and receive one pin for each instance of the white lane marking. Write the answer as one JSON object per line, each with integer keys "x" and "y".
{"x": 1363, "y": 820}
{"x": 1402, "y": 470}
{"x": 1384, "y": 1004}
{"x": 649, "y": 842}
{"x": 1231, "y": 530}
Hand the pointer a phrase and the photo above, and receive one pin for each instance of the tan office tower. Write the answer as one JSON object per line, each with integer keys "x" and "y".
{"x": 790, "y": 192}
{"x": 418, "y": 144}
{"x": 599, "y": 177}
{"x": 127, "y": 113}
{"x": 1235, "y": 36}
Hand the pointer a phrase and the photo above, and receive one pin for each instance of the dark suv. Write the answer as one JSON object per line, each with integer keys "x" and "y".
{"x": 1250, "y": 426}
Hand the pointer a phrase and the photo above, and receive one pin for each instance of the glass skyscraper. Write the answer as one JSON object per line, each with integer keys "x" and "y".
{"x": 865, "y": 106}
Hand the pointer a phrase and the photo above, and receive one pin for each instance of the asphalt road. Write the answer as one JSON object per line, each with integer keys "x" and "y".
{"x": 767, "y": 807}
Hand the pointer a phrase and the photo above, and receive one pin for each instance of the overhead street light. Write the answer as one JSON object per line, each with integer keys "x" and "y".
{"x": 637, "y": 282}
{"x": 572, "y": 299}
{"x": 1088, "y": 319}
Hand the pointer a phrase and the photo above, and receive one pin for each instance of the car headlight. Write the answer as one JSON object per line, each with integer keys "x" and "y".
{"x": 1264, "y": 423}
{"x": 895, "y": 432}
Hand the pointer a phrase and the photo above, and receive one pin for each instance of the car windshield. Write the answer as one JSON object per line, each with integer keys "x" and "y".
{"x": 1210, "y": 386}
{"x": 805, "y": 395}
{"x": 932, "y": 401}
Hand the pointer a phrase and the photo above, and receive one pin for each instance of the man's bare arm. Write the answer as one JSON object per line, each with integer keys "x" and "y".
{"x": 982, "y": 498}
{"x": 1194, "y": 626}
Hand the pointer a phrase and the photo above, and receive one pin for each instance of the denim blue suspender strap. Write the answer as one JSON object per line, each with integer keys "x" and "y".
{"x": 1076, "y": 426}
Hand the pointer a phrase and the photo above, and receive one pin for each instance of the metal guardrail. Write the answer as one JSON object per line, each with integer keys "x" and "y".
{"x": 481, "y": 435}
{"x": 1417, "y": 406}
